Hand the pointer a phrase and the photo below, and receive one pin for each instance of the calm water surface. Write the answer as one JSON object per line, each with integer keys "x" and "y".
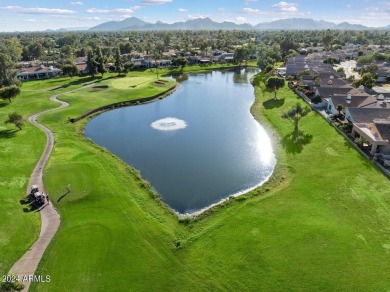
{"x": 197, "y": 146}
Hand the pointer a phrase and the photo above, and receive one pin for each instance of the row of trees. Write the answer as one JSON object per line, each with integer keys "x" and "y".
{"x": 10, "y": 51}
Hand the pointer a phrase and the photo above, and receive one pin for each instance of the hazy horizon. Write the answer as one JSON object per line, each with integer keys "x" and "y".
{"x": 44, "y": 14}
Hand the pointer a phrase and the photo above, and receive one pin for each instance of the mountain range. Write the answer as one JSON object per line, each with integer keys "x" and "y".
{"x": 134, "y": 23}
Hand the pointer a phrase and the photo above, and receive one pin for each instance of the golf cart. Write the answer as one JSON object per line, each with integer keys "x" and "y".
{"x": 39, "y": 197}
{"x": 34, "y": 189}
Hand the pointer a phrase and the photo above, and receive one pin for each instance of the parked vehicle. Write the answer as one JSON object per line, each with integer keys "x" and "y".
{"x": 39, "y": 197}
{"x": 34, "y": 189}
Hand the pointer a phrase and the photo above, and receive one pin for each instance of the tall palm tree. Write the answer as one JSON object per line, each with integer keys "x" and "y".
{"x": 294, "y": 115}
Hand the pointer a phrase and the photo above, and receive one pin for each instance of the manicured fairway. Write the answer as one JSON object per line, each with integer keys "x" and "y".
{"x": 322, "y": 223}
{"x": 132, "y": 82}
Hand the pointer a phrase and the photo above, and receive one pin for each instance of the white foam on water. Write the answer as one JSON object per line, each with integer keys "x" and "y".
{"x": 169, "y": 124}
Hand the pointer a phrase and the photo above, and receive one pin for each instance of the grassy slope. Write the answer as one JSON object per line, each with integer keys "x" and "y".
{"x": 321, "y": 223}
{"x": 326, "y": 229}
{"x": 19, "y": 153}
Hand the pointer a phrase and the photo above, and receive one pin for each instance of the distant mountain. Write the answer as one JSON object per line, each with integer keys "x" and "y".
{"x": 134, "y": 23}
{"x": 67, "y": 29}
{"x": 295, "y": 23}
{"x": 348, "y": 26}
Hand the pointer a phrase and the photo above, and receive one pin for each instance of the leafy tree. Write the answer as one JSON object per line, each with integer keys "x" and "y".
{"x": 82, "y": 52}
{"x": 70, "y": 70}
{"x": 339, "y": 108}
{"x": 327, "y": 40}
{"x": 371, "y": 68}
{"x": 9, "y": 92}
{"x": 100, "y": 61}
{"x": 294, "y": 115}
{"x": 67, "y": 51}
{"x": 368, "y": 80}
{"x": 127, "y": 67}
{"x": 268, "y": 55}
{"x": 91, "y": 64}
{"x": 15, "y": 119}
{"x": 288, "y": 44}
{"x": 12, "y": 48}
{"x": 156, "y": 56}
{"x": 118, "y": 61}
{"x": 274, "y": 83}
{"x": 239, "y": 55}
{"x": 33, "y": 51}
{"x": 182, "y": 62}
{"x": 8, "y": 74}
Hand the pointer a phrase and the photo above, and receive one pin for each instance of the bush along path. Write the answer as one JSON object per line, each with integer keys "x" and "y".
{"x": 25, "y": 267}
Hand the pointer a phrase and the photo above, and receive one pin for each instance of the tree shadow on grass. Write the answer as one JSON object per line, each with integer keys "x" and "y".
{"x": 96, "y": 79}
{"x": 6, "y": 134}
{"x": 293, "y": 143}
{"x": 3, "y": 104}
{"x": 273, "y": 103}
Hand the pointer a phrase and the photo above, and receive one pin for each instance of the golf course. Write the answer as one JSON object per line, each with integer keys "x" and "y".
{"x": 321, "y": 223}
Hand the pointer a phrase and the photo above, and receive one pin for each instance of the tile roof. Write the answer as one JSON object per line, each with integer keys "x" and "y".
{"x": 383, "y": 130}
{"x": 366, "y": 115}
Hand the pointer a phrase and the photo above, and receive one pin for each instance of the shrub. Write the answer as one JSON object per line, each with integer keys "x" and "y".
{"x": 316, "y": 99}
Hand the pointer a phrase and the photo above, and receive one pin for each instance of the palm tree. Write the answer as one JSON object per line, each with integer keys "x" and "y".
{"x": 294, "y": 115}
{"x": 339, "y": 108}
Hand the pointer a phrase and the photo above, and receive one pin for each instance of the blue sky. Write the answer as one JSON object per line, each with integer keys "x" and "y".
{"x": 21, "y": 15}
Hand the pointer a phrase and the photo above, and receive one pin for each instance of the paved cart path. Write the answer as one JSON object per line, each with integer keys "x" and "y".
{"x": 50, "y": 219}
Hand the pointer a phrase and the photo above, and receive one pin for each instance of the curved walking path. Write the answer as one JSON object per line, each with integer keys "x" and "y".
{"x": 50, "y": 219}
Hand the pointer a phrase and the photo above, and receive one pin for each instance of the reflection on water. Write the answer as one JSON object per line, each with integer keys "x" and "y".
{"x": 217, "y": 151}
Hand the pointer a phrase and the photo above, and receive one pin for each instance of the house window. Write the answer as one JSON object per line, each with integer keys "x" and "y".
{"x": 330, "y": 107}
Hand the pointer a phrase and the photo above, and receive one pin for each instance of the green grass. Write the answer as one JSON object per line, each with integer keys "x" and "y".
{"x": 127, "y": 83}
{"x": 19, "y": 153}
{"x": 321, "y": 222}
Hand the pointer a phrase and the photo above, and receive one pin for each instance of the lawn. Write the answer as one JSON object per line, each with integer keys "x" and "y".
{"x": 321, "y": 222}
{"x": 127, "y": 83}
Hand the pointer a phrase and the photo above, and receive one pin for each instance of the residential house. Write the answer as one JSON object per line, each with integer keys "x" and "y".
{"x": 225, "y": 57}
{"x": 366, "y": 115}
{"x": 83, "y": 68}
{"x": 353, "y": 98}
{"x": 377, "y": 133}
{"x": 38, "y": 72}
{"x": 142, "y": 63}
{"x": 383, "y": 72}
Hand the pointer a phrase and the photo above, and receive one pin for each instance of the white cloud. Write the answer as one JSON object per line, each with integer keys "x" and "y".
{"x": 182, "y": 10}
{"x": 240, "y": 19}
{"x": 155, "y": 2}
{"x": 35, "y": 20}
{"x": 110, "y": 11}
{"x": 286, "y": 7}
{"x": 252, "y": 11}
{"x": 221, "y": 9}
{"x": 38, "y": 10}
{"x": 246, "y": 2}
{"x": 77, "y": 3}
{"x": 196, "y": 16}
{"x": 94, "y": 18}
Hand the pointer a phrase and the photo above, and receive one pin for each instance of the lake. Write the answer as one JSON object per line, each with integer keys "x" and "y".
{"x": 197, "y": 146}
